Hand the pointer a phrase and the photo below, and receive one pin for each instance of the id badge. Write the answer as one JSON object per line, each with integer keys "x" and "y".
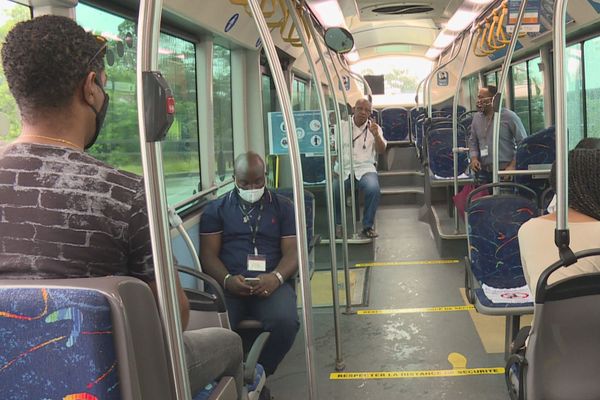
{"x": 257, "y": 263}
{"x": 484, "y": 152}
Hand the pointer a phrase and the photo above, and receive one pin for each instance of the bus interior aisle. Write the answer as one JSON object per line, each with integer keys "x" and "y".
{"x": 414, "y": 334}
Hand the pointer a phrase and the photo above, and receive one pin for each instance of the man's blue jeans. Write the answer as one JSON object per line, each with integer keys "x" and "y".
{"x": 278, "y": 314}
{"x": 369, "y": 184}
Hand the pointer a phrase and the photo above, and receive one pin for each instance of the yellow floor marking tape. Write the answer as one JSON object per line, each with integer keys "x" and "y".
{"x": 415, "y": 374}
{"x": 403, "y": 263}
{"x": 416, "y": 310}
{"x": 457, "y": 360}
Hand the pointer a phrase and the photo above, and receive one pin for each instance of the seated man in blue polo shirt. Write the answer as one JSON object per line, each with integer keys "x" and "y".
{"x": 248, "y": 244}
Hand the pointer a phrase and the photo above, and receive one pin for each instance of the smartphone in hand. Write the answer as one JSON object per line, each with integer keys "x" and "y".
{"x": 252, "y": 281}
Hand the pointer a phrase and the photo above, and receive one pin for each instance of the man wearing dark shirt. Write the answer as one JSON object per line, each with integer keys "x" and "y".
{"x": 64, "y": 214}
{"x": 248, "y": 243}
{"x": 481, "y": 140}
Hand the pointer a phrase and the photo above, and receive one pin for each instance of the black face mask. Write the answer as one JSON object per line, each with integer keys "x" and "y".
{"x": 100, "y": 115}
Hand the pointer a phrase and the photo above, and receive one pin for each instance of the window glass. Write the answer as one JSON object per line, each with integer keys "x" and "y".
{"x": 474, "y": 89}
{"x": 592, "y": 86}
{"x": 492, "y": 79}
{"x": 521, "y": 94}
{"x": 574, "y": 95}
{"x": 10, "y": 120}
{"x": 299, "y": 95}
{"x": 402, "y": 75}
{"x": 536, "y": 95}
{"x": 222, "y": 113}
{"x": 118, "y": 144}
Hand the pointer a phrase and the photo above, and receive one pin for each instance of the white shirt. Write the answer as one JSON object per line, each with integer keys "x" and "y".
{"x": 364, "y": 153}
{"x": 538, "y": 251}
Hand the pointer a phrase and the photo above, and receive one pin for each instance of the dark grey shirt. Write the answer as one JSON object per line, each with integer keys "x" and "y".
{"x": 64, "y": 214}
{"x": 512, "y": 132}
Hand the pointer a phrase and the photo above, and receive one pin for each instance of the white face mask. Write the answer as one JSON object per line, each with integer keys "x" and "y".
{"x": 251, "y": 195}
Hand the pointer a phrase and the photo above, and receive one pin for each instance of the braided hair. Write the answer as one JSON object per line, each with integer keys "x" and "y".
{"x": 584, "y": 181}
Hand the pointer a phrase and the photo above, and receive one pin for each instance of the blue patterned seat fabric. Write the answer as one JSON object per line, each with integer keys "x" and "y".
{"x": 539, "y": 148}
{"x": 439, "y": 145}
{"x": 56, "y": 344}
{"x": 492, "y": 226}
{"x": 394, "y": 122}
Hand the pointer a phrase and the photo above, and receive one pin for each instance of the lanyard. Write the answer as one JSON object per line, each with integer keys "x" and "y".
{"x": 253, "y": 227}
{"x": 364, "y": 132}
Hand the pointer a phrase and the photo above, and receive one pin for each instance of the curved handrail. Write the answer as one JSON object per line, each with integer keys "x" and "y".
{"x": 455, "y": 120}
{"x": 156, "y": 201}
{"x": 303, "y": 35}
{"x": 298, "y": 186}
{"x": 453, "y": 56}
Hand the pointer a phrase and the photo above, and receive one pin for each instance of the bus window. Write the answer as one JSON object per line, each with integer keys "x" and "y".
{"x": 592, "y": 86}
{"x": 10, "y": 121}
{"x": 536, "y": 95}
{"x": 222, "y": 113}
{"x": 521, "y": 96}
{"x": 118, "y": 144}
{"x": 574, "y": 77}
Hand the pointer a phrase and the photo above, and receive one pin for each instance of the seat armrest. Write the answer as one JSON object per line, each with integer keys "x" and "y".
{"x": 254, "y": 355}
{"x": 200, "y": 300}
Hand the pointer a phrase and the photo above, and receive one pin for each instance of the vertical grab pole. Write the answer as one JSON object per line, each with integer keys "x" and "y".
{"x": 562, "y": 148}
{"x": 339, "y": 360}
{"x": 370, "y": 94}
{"x": 499, "y": 95}
{"x": 156, "y": 201}
{"x": 352, "y": 188}
{"x": 341, "y": 155}
{"x": 301, "y": 240}
{"x": 455, "y": 151}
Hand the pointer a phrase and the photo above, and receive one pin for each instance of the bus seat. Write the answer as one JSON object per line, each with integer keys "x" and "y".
{"x": 96, "y": 337}
{"x": 562, "y": 357}
{"x": 394, "y": 122}
{"x": 439, "y": 150}
{"x": 536, "y": 150}
{"x": 494, "y": 279}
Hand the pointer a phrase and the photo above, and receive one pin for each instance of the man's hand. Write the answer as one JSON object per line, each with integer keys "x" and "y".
{"x": 511, "y": 166}
{"x": 267, "y": 285}
{"x": 374, "y": 128}
{"x": 236, "y": 285}
{"x": 475, "y": 164}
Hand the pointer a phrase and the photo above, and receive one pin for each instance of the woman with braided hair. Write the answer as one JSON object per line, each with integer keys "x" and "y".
{"x": 536, "y": 237}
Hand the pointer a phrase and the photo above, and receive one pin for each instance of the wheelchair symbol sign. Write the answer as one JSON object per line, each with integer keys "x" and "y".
{"x": 442, "y": 78}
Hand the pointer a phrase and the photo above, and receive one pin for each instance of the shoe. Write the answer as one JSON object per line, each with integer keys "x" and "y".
{"x": 339, "y": 233}
{"x": 369, "y": 233}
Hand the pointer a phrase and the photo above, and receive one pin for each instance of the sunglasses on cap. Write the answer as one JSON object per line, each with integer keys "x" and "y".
{"x": 102, "y": 51}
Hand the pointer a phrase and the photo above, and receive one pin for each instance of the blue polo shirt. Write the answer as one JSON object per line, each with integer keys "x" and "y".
{"x": 224, "y": 216}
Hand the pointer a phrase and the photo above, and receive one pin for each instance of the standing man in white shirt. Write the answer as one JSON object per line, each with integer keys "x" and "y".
{"x": 367, "y": 142}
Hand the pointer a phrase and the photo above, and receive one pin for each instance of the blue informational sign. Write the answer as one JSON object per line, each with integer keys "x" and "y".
{"x": 502, "y": 52}
{"x": 309, "y": 130}
{"x": 346, "y": 83}
{"x": 231, "y": 22}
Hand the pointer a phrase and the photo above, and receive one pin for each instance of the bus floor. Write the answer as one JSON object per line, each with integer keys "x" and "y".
{"x": 403, "y": 342}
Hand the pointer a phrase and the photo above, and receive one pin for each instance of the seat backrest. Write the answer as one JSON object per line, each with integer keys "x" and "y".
{"x": 86, "y": 338}
{"x": 394, "y": 122}
{"x": 563, "y": 353}
{"x": 539, "y": 148}
{"x": 493, "y": 223}
{"x": 439, "y": 147}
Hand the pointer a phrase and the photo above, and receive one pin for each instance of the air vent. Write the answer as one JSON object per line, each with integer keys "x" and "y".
{"x": 403, "y": 9}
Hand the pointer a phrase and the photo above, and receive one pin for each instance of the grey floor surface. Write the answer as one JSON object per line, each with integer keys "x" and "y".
{"x": 401, "y": 342}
